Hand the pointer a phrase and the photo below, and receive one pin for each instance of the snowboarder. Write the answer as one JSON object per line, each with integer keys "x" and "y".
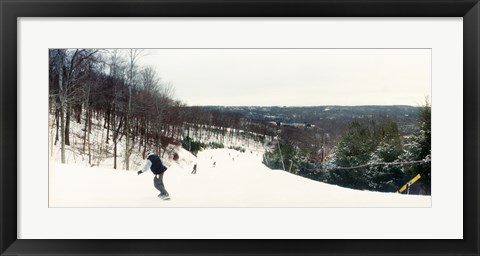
{"x": 194, "y": 169}
{"x": 156, "y": 166}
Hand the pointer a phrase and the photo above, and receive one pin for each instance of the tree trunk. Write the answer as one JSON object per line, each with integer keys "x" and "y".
{"x": 141, "y": 132}
{"x": 62, "y": 104}
{"x": 114, "y": 138}
{"x": 62, "y": 135}
{"x": 107, "y": 122}
{"x": 67, "y": 125}
{"x": 88, "y": 136}
{"x": 145, "y": 139}
{"x": 90, "y": 115}
{"x": 127, "y": 126}
{"x": 114, "y": 154}
{"x": 115, "y": 141}
{"x": 57, "y": 121}
{"x": 78, "y": 113}
{"x": 85, "y": 132}
{"x": 127, "y": 142}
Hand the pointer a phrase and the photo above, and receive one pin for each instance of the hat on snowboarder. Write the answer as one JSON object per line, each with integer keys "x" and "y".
{"x": 149, "y": 152}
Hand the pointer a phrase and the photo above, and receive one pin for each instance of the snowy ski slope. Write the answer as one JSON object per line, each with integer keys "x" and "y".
{"x": 236, "y": 180}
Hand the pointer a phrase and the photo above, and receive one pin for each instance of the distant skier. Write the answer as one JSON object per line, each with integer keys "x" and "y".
{"x": 156, "y": 166}
{"x": 214, "y": 164}
{"x": 194, "y": 171}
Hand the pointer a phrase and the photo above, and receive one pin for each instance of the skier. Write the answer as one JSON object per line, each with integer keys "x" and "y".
{"x": 194, "y": 169}
{"x": 155, "y": 165}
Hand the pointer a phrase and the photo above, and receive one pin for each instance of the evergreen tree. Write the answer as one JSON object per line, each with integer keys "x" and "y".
{"x": 418, "y": 147}
{"x": 381, "y": 177}
{"x": 386, "y": 178}
{"x": 191, "y": 145}
{"x": 273, "y": 159}
{"x": 355, "y": 162}
{"x": 354, "y": 149}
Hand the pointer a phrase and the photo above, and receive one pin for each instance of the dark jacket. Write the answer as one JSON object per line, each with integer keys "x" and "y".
{"x": 157, "y": 165}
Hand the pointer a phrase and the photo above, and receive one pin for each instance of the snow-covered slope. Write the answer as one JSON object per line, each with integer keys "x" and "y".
{"x": 236, "y": 180}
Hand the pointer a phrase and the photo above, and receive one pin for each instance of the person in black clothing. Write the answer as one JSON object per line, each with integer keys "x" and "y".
{"x": 156, "y": 166}
{"x": 194, "y": 169}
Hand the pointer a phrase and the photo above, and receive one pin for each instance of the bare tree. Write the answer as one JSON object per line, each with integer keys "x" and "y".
{"x": 62, "y": 100}
{"x": 134, "y": 55}
{"x": 70, "y": 72}
{"x": 117, "y": 69}
{"x": 133, "y": 101}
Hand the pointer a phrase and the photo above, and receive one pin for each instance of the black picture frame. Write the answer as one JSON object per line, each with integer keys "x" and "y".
{"x": 10, "y": 10}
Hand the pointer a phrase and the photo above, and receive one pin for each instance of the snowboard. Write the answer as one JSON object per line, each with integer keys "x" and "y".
{"x": 164, "y": 199}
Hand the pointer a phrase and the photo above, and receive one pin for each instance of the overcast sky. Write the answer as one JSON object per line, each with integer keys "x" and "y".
{"x": 295, "y": 77}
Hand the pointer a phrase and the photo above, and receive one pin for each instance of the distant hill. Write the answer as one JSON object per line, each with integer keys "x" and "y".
{"x": 328, "y": 117}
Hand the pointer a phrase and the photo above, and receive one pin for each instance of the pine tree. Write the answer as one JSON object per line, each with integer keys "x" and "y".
{"x": 355, "y": 162}
{"x": 354, "y": 149}
{"x": 418, "y": 147}
{"x": 386, "y": 178}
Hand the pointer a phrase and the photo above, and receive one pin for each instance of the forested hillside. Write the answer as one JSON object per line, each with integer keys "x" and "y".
{"x": 130, "y": 101}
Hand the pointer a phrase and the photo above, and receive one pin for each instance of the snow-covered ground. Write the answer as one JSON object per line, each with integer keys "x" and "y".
{"x": 236, "y": 180}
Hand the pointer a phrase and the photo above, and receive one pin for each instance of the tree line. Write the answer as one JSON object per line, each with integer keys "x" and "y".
{"x": 370, "y": 155}
{"x": 91, "y": 86}
{"x": 130, "y": 101}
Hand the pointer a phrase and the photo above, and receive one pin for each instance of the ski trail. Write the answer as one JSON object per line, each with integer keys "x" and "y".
{"x": 237, "y": 180}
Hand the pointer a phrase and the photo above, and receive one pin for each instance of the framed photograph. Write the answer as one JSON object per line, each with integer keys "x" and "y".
{"x": 224, "y": 127}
